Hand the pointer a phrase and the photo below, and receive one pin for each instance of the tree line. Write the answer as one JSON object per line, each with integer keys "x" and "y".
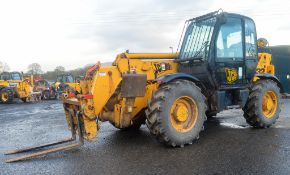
{"x": 36, "y": 69}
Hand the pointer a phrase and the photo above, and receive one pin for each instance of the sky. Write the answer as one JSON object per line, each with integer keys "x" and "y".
{"x": 74, "y": 33}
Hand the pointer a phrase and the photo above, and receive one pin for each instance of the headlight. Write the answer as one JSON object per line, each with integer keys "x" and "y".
{"x": 163, "y": 66}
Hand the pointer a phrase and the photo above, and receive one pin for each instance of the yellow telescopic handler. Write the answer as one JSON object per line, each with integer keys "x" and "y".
{"x": 13, "y": 85}
{"x": 218, "y": 66}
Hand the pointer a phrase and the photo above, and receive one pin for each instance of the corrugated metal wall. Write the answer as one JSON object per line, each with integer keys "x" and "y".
{"x": 281, "y": 60}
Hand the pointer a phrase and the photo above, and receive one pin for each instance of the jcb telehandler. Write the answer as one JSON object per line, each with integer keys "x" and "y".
{"x": 218, "y": 67}
{"x": 67, "y": 82}
{"x": 13, "y": 85}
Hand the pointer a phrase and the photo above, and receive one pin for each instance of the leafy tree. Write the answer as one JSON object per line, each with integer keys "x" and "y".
{"x": 51, "y": 75}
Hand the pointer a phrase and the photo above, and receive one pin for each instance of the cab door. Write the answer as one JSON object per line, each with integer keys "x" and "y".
{"x": 229, "y": 54}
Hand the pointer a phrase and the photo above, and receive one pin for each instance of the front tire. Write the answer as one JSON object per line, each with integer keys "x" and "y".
{"x": 262, "y": 108}
{"x": 176, "y": 113}
{"x": 6, "y": 95}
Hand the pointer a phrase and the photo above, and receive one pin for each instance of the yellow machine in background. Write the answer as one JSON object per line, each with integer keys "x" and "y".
{"x": 12, "y": 85}
{"x": 67, "y": 82}
{"x": 217, "y": 68}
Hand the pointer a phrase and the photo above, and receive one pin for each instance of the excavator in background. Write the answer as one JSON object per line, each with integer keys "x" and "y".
{"x": 13, "y": 85}
{"x": 217, "y": 67}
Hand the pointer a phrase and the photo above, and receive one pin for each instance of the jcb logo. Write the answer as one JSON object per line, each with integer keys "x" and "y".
{"x": 231, "y": 74}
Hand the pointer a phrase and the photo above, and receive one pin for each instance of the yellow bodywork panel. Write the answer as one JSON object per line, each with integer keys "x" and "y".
{"x": 151, "y": 55}
{"x": 108, "y": 78}
{"x": 104, "y": 85}
{"x": 142, "y": 102}
{"x": 106, "y": 103}
{"x": 23, "y": 88}
{"x": 264, "y": 65}
{"x": 75, "y": 86}
{"x": 147, "y": 64}
{"x": 4, "y": 83}
{"x": 90, "y": 128}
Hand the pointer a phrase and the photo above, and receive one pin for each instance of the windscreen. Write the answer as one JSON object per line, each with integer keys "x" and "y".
{"x": 197, "y": 38}
{"x": 5, "y": 76}
{"x": 15, "y": 76}
{"x": 70, "y": 79}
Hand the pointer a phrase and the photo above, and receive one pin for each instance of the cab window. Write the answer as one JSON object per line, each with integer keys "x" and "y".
{"x": 250, "y": 39}
{"x": 70, "y": 79}
{"x": 16, "y": 76}
{"x": 5, "y": 76}
{"x": 60, "y": 79}
{"x": 229, "y": 43}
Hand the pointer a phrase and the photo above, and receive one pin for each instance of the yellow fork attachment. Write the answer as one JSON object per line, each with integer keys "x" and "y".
{"x": 73, "y": 142}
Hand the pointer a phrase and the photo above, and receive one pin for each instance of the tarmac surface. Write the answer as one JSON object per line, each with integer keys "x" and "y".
{"x": 226, "y": 146}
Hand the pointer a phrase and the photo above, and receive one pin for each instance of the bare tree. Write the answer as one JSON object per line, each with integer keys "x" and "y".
{"x": 4, "y": 67}
{"x": 34, "y": 69}
{"x": 1, "y": 67}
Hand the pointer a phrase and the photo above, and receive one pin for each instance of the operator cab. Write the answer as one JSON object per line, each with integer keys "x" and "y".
{"x": 5, "y": 76}
{"x": 16, "y": 76}
{"x": 65, "y": 78}
{"x": 220, "y": 49}
{"x": 11, "y": 76}
{"x": 222, "y": 44}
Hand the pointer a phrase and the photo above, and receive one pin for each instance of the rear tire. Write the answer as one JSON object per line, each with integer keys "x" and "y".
{"x": 262, "y": 108}
{"x": 176, "y": 113}
{"x": 45, "y": 95}
{"x": 53, "y": 95}
{"x": 6, "y": 95}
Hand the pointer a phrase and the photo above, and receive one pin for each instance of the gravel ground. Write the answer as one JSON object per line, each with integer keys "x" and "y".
{"x": 227, "y": 146}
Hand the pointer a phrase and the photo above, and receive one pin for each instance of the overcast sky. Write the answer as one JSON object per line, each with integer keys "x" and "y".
{"x": 75, "y": 33}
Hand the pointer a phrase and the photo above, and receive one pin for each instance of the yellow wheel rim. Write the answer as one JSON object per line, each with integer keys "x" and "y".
{"x": 269, "y": 104}
{"x": 4, "y": 96}
{"x": 183, "y": 114}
